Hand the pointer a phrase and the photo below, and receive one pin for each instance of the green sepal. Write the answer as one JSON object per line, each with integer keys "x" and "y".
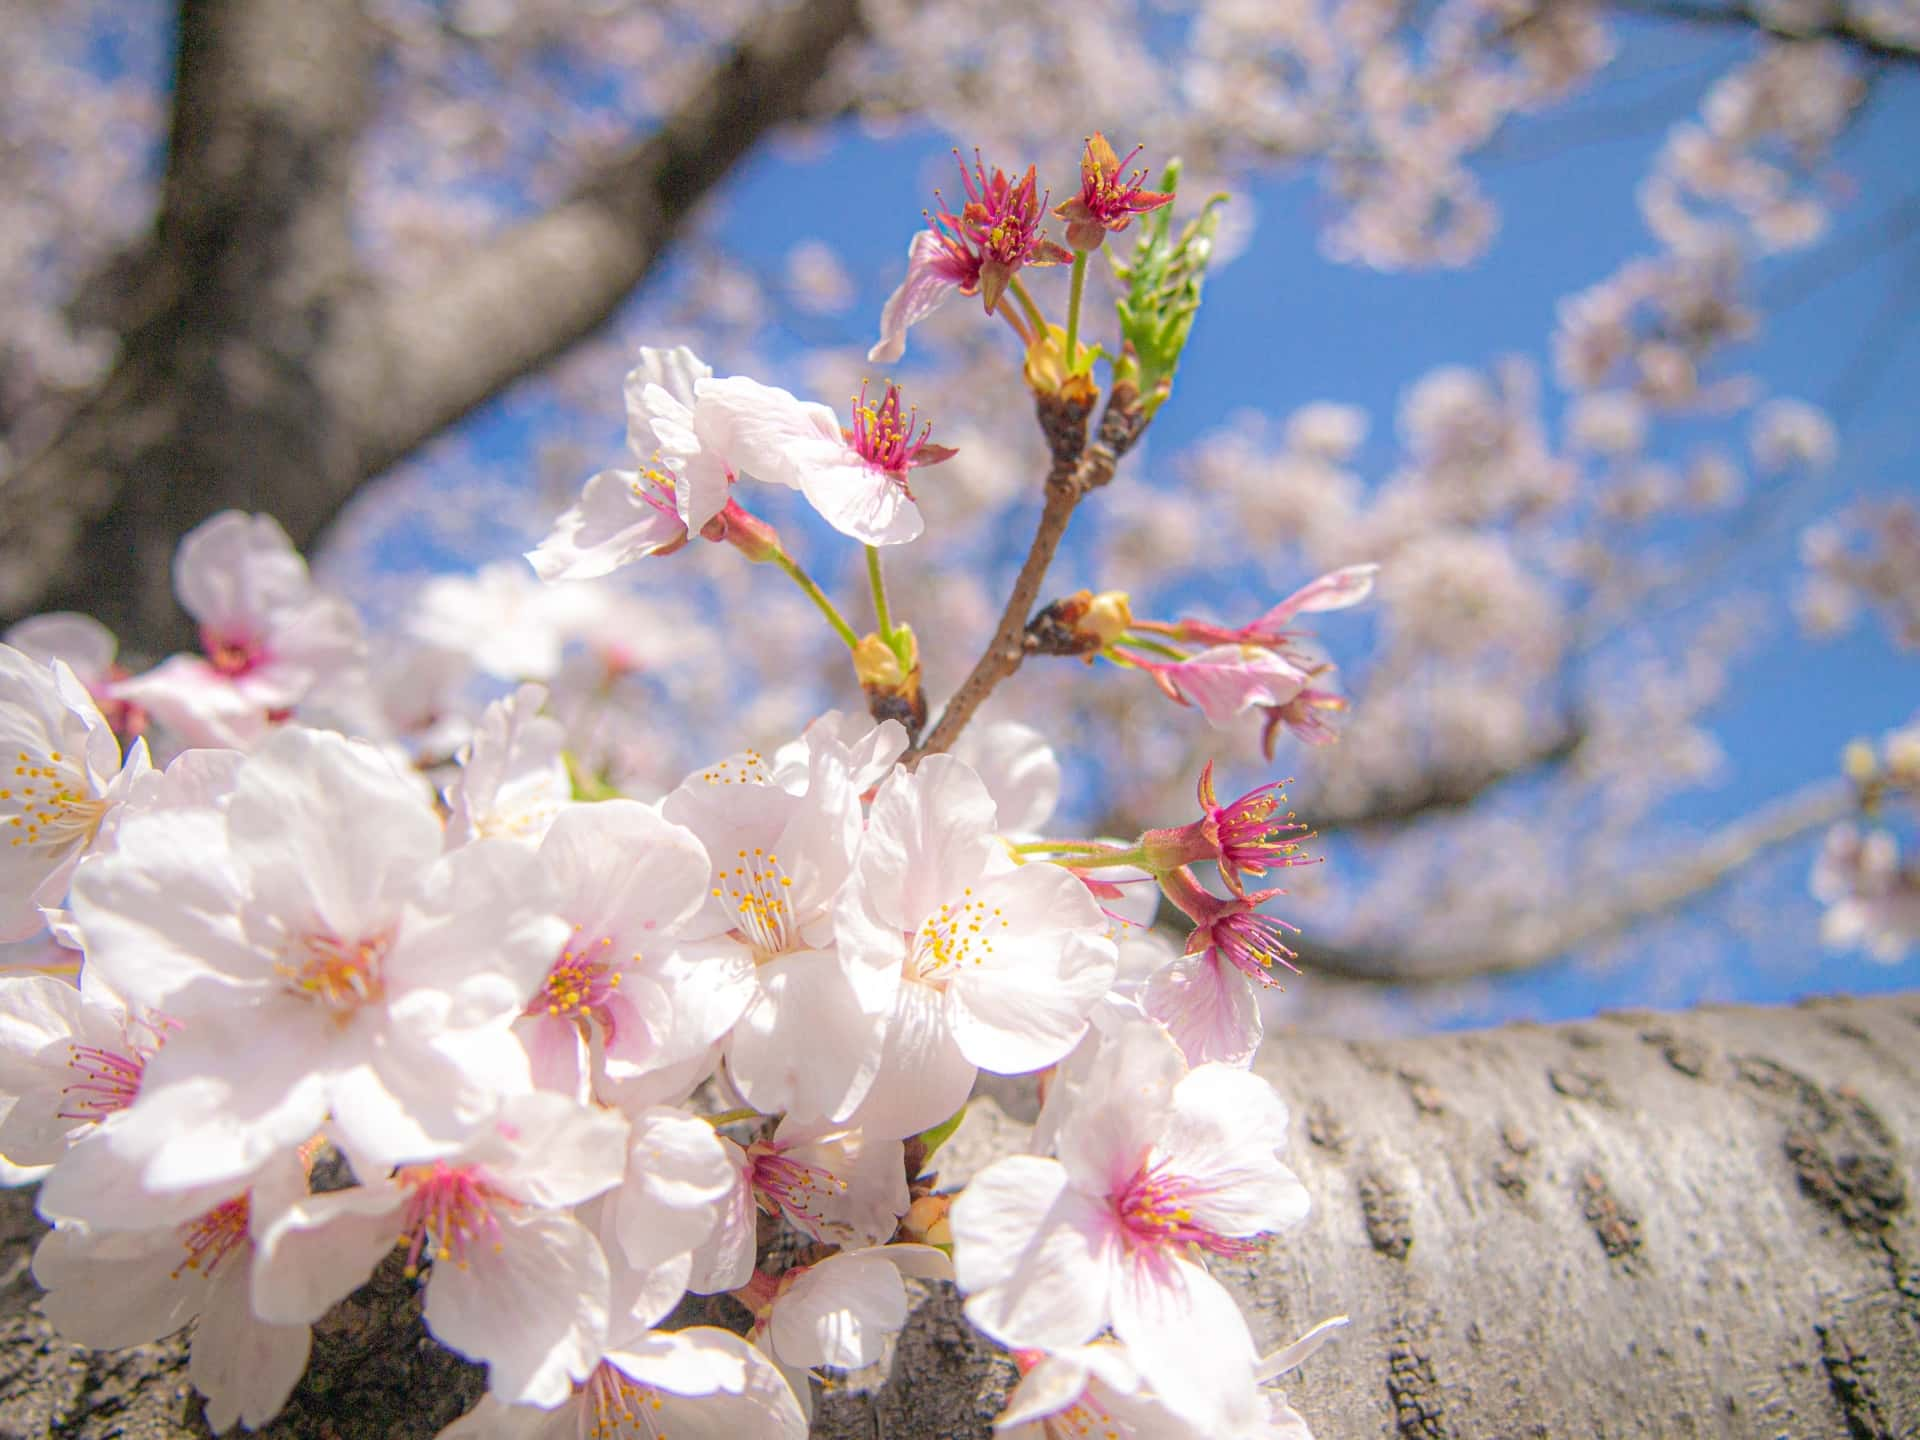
{"x": 1162, "y": 282}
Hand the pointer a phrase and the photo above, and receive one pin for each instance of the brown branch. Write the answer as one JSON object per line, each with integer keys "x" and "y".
{"x": 1842, "y": 27}
{"x": 523, "y": 298}
{"x": 1441, "y": 791}
{"x": 1076, "y": 471}
{"x": 1596, "y": 910}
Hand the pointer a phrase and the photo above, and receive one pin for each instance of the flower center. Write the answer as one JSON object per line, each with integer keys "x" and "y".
{"x": 453, "y": 1205}
{"x": 340, "y": 974}
{"x": 654, "y": 486}
{"x": 785, "y": 1184}
{"x": 214, "y": 1236}
{"x": 883, "y": 437}
{"x": 109, "y": 1080}
{"x": 758, "y": 891}
{"x": 49, "y": 803}
{"x": 619, "y": 1408}
{"x": 581, "y": 984}
{"x": 232, "y": 655}
{"x": 1154, "y": 1209}
{"x": 953, "y": 937}
{"x": 1251, "y": 943}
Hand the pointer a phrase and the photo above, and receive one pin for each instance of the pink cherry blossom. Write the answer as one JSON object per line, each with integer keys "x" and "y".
{"x": 267, "y": 636}
{"x": 1158, "y": 1166}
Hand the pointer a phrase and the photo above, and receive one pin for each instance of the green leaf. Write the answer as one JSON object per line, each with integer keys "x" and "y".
{"x": 1163, "y": 282}
{"x": 587, "y": 786}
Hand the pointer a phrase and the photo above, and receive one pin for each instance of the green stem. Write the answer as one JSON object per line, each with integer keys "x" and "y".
{"x": 728, "y": 1117}
{"x": 814, "y": 593}
{"x": 1039, "y": 847}
{"x": 880, "y": 613}
{"x": 1119, "y": 855}
{"x": 1075, "y": 287}
{"x": 1152, "y": 647}
{"x": 1034, "y": 317}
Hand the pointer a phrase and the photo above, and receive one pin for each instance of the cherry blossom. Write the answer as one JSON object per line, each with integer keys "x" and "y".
{"x": 1158, "y": 1165}
{"x": 268, "y": 637}
{"x": 61, "y": 773}
{"x": 324, "y": 957}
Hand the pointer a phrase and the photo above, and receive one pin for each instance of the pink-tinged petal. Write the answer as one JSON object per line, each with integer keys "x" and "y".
{"x": 706, "y": 989}
{"x": 928, "y": 286}
{"x": 1226, "y": 680}
{"x": 759, "y": 427}
{"x": 1031, "y": 1254}
{"x": 111, "y": 1291}
{"x": 534, "y": 1310}
{"x": 557, "y": 1054}
{"x": 1209, "y": 1009}
{"x": 1018, "y": 996}
{"x": 1119, "y": 1107}
{"x": 554, "y": 1151}
{"x": 196, "y": 702}
{"x": 1221, "y": 1141}
{"x": 162, "y": 916}
{"x": 230, "y": 1098}
{"x": 839, "y": 1313}
{"x": 40, "y": 1018}
{"x": 1018, "y": 768}
{"x": 1051, "y": 1386}
{"x": 236, "y": 569}
{"x": 860, "y": 501}
{"x": 1333, "y": 591}
{"x": 923, "y": 1076}
{"x": 1187, "y": 1336}
{"x": 725, "y": 1261}
{"x": 491, "y": 1420}
{"x": 246, "y": 1369}
{"x": 590, "y": 855}
{"x": 678, "y": 1179}
{"x": 763, "y": 1406}
{"x": 677, "y": 372}
{"x": 322, "y": 1249}
{"x": 805, "y": 1045}
{"x": 929, "y": 833}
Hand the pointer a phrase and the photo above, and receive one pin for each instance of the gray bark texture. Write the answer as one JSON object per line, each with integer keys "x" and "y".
{"x": 1696, "y": 1224}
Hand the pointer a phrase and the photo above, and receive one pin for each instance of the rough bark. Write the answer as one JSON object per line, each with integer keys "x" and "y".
{"x": 262, "y": 368}
{"x": 1640, "y": 1225}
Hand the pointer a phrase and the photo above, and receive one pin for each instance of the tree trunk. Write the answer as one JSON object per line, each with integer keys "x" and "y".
{"x": 1640, "y": 1225}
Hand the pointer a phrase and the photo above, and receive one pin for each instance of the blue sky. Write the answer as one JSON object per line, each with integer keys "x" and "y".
{"x": 1282, "y": 325}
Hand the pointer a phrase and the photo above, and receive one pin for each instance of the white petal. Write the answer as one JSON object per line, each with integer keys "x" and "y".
{"x": 1188, "y": 1337}
{"x": 1221, "y": 1141}
{"x": 535, "y": 1310}
{"x": 929, "y": 833}
{"x": 1209, "y": 1009}
{"x": 322, "y": 1249}
{"x": 246, "y": 1369}
{"x": 805, "y": 1045}
{"x": 677, "y": 1177}
{"x": 613, "y": 525}
{"x": 923, "y": 1075}
{"x": 1031, "y": 1254}
{"x": 839, "y": 1313}
{"x": 858, "y": 499}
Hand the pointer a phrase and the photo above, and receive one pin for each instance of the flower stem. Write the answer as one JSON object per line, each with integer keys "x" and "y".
{"x": 728, "y": 1117}
{"x": 814, "y": 593}
{"x": 1034, "y": 317}
{"x": 1075, "y": 287}
{"x": 1152, "y": 647}
{"x": 1038, "y": 847}
{"x": 879, "y": 583}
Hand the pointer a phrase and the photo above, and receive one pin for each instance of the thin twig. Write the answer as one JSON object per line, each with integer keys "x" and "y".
{"x": 1074, "y": 474}
{"x": 1601, "y": 907}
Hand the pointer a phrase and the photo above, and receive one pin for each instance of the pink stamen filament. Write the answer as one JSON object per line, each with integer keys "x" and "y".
{"x": 453, "y": 1204}
{"x": 1153, "y": 1210}
{"x": 619, "y": 1407}
{"x": 109, "y": 1081}
{"x": 783, "y": 1184}
{"x": 341, "y": 974}
{"x": 881, "y": 437}
{"x": 214, "y": 1236}
{"x": 1251, "y": 943}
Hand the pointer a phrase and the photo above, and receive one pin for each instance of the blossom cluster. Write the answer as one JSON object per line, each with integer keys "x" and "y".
{"x": 339, "y": 985}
